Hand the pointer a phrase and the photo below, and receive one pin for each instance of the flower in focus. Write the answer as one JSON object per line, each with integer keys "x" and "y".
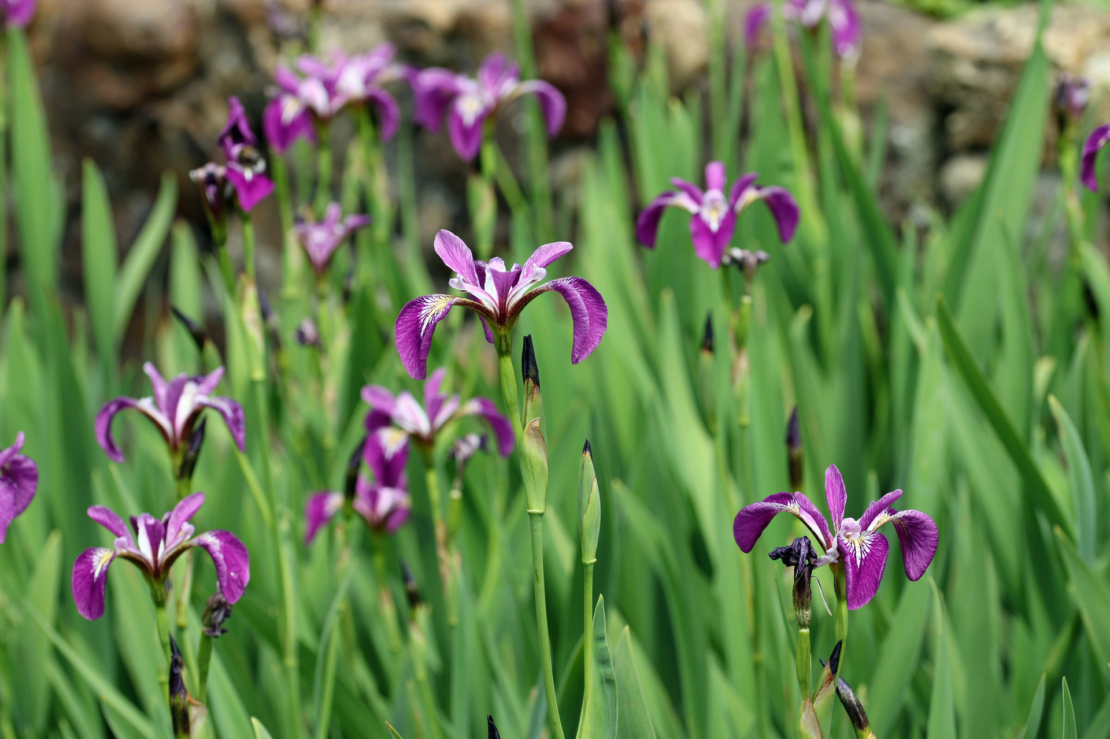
{"x": 17, "y": 13}
{"x": 1098, "y": 139}
{"x": 174, "y": 409}
{"x": 498, "y": 294}
{"x": 154, "y": 548}
{"x": 470, "y": 102}
{"x": 19, "y": 477}
{"x": 856, "y": 545}
{"x": 319, "y": 89}
{"x": 245, "y": 166}
{"x": 423, "y": 423}
{"x": 384, "y": 503}
{"x": 321, "y": 239}
{"x": 715, "y": 214}
{"x": 844, "y": 22}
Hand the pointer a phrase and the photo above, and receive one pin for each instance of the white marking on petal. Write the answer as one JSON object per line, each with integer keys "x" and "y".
{"x": 186, "y": 406}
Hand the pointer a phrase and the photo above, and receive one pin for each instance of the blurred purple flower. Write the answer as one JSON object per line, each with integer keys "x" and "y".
{"x": 17, "y": 13}
{"x": 715, "y": 214}
{"x": 1098, "y": 139}
{"x": 19, "y": 478}
{"x": 321, "y": 239}
{"x": 497, "y": 294}
{"x": 1072, "y": 95}
{"x": 857, "y": 545}
{"x": 423, "y": 423}
{"x": 174, "y": 409}
{"x": 154, "y": 548}
{"x": 384, "y": 503}
{"x": 245, "y": 166}
{"x": 844, "y": 21}
{"x": 472, "y": 101}
{"x": 212, "y": 181}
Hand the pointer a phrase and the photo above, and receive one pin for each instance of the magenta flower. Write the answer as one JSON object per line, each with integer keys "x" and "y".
{"x": 497, "y": 294}
{"x": 19, "y": 477}
{"x": 321, "y": 239}
{"x": 155, "y": 547}
{"x": 844, "y": 21}
{"x": 245, "y": 166}
{"x": 856, "y": 545}
{"x": 472, "y": 101}
{"x": 383, "y": 503}
{"x": 715, "y": 214}
{"x": 174, "y": 409}
{"x": 17, "y": 13}
{"x": 1098, "y": 139}
{"x": 423, "y": 423}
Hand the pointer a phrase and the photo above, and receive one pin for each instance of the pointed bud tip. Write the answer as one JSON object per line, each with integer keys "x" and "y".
{"x": 528, "y": 367}
{"x": 707, "y": 339}
{"x": 493, "y": 733}
{"x": 834, "y": 658}
{"x": 586, "y": 449}
{"x": 793, "y": 433}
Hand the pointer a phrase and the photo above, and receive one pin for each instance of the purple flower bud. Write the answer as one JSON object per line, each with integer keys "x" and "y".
{"x": 307, "y": 334}
{"x": 493, "y": 733}
{"x": 179, "y": 697}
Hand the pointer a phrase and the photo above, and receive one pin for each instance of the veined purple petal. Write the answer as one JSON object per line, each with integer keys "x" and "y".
{"x": 877, "y": 507}
{"x": 715, "y": 176}
{"x": 1098, "y": 139}
{"x": 178, "y": 521}
{"x": 465, "y": 130}
{"x": 19, "y": 478}
{"x": 711, "y": 245}
{"x": 90, "y": 572}
{"x": 457, "y": 255}
{"x": 20, "y": 13}
{"x": 104, "y": 426}
{"x": 918, "y": 536}
{"x": 389, "y": 114}
{"x": 835, "y": 495}
{"x": 233, "y": 416}
{"x": 109, "y": 520}
{"x": 813, "y": 519}
{"x": 281, "y": 133}
{"x": 232, "y": 560}
{"x": 587, "y": 308}
{"x": 552, "y": 103}
{"x": 753, "y": 519}
{"x": 318, "y": 511}
{"x": 501, "y": 426}
{"x": 386, "y": 453}
{"x": 415, "y": 326}
{"x": 864, "y": 561}
{"x": 755, "y": 20}
{"x": 251, "y": 187}
{"x": 784, "y": 208}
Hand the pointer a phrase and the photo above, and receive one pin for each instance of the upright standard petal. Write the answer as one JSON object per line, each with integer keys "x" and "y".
{"x": 177, "y": 522}
{"x": 318, "y": 511}
{"x": 864, "y": 560}
{"x": 457, "y": 255}
{"x": 552, "y": 103}
{"x": 715, "y": 176}
{"x": 587, "y": 309}
{"x": 871, "y": 517}
{"x": 109, "y": 520}
{"x": 232, "y": 560}
{"x": 835, "y": 495}
{"x": 90, "y": 572}
{"x": 1098, "y": 139}
{"x": 381, "y": 403}
{"x": 501, "y": 426}
{"x": 918, "y": 536}
{"x": 19, "y": 478}
{"x": 498, "y": 71}
{"x": 103, "y": 426}
{"x": 415, "y": 326}
{"x": 281, "y": 131}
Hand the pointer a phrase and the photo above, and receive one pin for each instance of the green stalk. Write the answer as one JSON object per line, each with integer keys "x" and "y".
{"x": 248, "y": 244}
{"x": 158, "y": 595}
{"x": 588, "y": 632}
{"x": 536, "y": 519}
{"x": 184, "y": 487}
{"x": 226, "y": 269}
{"x": 508, "y": 384}
{"x": 204, "y": 657}
{"x": 443, "y": 555}
{"x": 323, "y": 168}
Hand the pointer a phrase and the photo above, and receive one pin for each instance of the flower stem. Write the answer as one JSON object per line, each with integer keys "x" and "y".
{"x": 204, "y": 657}
{"x": 248, "y": 243}
{"x": 226, "y": 269}
{"x": 323, "y": 169}
{"x": 536, "y": 520}
{"x": 443, "y": 555}
{"x": 508, "y": 386}
{"x": 840, "y": 587}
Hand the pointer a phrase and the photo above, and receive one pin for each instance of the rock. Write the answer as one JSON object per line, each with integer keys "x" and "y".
{"x": 960, "y": 175}
{"x": 680, "y": 27}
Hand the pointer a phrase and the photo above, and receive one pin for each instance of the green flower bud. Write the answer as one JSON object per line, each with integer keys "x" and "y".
{"x": 533, "y": 465}
{"x": 707, "y": 379}
{"x": 589, "y": 506}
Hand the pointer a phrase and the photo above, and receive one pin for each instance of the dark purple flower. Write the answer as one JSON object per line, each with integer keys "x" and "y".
{"x": 856, "y": 545}
{"x": 423, "y": 423}
{"x": 245, "y": 166}
{"x": 321, "y": 239}
{"x": 174, "y": 409}
{"x": 1091, "y": 148}
{"x": 844, "y": 21}
{"x": 154, "y": 548}
{"x": 1072, "y": 95}
{"x": 17, "y": 13}
{"x": 471, "y": 101}
{"x": 497, "y": 294}
{"x": 212, "y": 181}
{"x": 715, "y": 214}
{"x": 19, "y": 477}
{"x": 385, "y": 502}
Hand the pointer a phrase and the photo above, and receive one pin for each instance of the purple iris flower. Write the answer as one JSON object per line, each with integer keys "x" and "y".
{"x": 856, "y": 545}
{"x": 423, "y": 423}
{"x": 245, "y": 166}
{"x": 715, "y": 213}
{"x": 174, "y": 409}
{"x": 497, "y": 294}
{"x": 472, "y": 101}
{"x": 321, "y": 239}
{"x": 1072, "y": 95}
{"x": 19, "y": 477}
{"x": 17, "y": 13}
{"x": 844, "y": 21}
{"x": 154, "y": 548}
{"x": 212, "y": 181}
{"x": 1098, "y": 139}
{"x": 385, "y": 502}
